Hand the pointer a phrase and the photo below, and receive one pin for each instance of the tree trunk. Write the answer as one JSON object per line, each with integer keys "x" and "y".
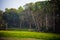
{"x": 46, "y": 22}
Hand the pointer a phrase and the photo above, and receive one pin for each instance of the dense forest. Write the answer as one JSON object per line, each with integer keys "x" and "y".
{"x": 39, "y": 16}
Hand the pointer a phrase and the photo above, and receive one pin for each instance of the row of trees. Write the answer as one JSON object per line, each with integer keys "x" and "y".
{"x": 39, "y": 16}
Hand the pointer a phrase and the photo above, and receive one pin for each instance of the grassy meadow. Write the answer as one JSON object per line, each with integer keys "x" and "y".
{"x": 28, "y": 34}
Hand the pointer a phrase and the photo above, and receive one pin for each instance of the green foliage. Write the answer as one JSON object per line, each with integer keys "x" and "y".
{"x": 7, "y": 10}
{"x": 20, "y": 9}
{"x": 1, "y": 12}
{"x": 11, "y": 10}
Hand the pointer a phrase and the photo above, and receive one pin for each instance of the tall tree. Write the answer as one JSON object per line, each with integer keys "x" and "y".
{"x": 1, "y": 12}
{"x": 20, "y": 9}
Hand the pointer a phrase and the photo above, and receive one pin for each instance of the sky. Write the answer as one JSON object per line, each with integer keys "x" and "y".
{"x": 14, "y": 3}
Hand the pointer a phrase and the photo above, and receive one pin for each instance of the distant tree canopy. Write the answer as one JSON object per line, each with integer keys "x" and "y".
{"x": 39, "y": 16}
{"x": 20, "y": 9}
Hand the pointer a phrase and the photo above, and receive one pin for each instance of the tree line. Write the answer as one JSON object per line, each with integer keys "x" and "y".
{"x": 40, "y": 16}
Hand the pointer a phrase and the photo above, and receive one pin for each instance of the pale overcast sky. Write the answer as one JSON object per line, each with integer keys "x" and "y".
{"x": 14, "y": 3}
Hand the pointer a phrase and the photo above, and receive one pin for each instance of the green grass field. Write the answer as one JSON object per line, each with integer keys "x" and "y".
{"x": 27, "y": 34}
